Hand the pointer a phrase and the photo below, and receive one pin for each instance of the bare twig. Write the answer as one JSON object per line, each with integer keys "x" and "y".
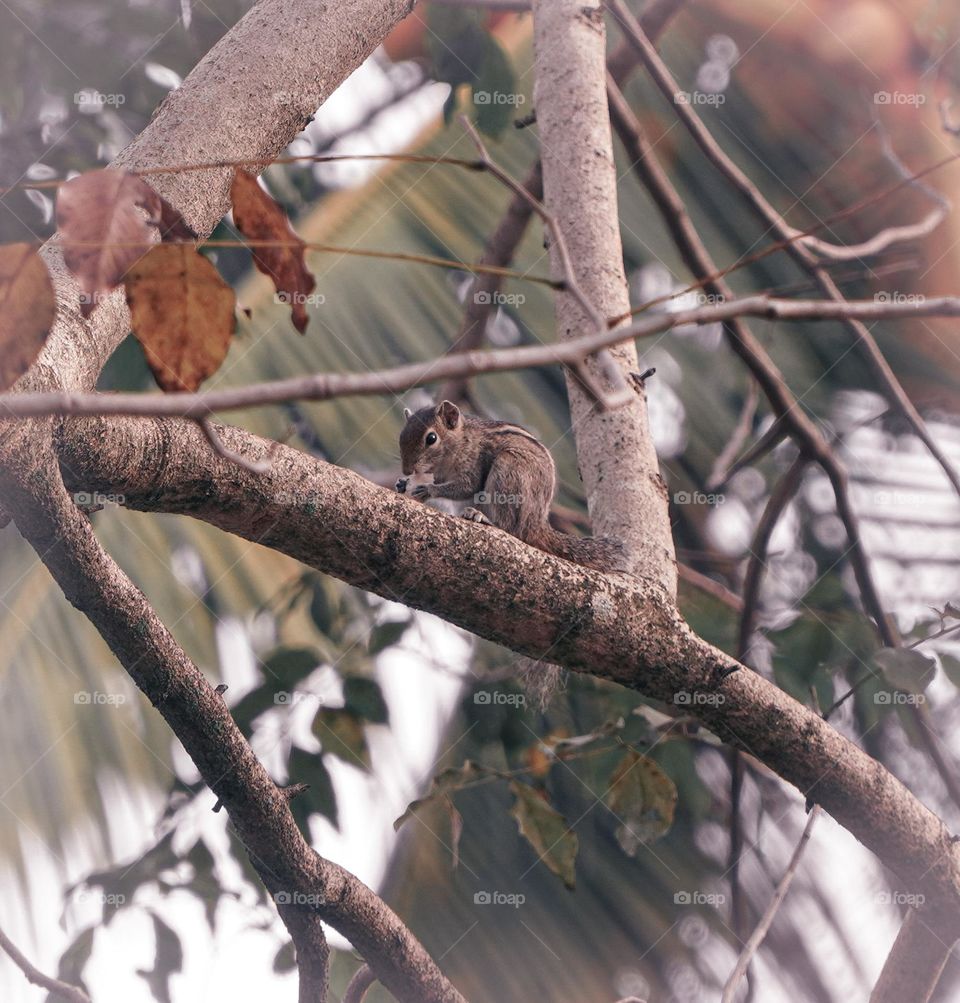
{"x": 621, "y": 393}
{"x": 768, "y": 214}
{"x": 789, "y": 416}
{"x": 209, "y": 433}
{"x": 34, "y": 975}
{"x": 326, "y": 386}
{"x": 721, "y": 469}
{"x": 356, "y": 991}
{"x": 756, "y": 939}
{"x": 482, "y": 293}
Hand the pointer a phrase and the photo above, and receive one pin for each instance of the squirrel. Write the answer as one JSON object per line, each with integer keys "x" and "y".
{"x": 505, "y": 470}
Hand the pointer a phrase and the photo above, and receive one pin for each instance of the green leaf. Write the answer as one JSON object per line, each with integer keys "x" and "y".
{"x": 545, "y": 829}
{"x": 643, "y": 798}
{"x": 386, "y": 634}
{"x": 169, "y": 959}
{"x": 365, "y": 699}
{"x": 285, "y": 960}
{"x": 951, "y": 667}
{"x": 322, "y": 611}
{"x": 341, "y": 733}
{"x": 495, "y": 94}
{"x": 286, "y": 667}
{"x": 74, "y": 959}
{"x": 906, "y": 669}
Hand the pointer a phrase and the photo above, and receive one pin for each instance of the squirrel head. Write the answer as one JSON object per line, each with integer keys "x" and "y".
{"x": 428, "y": 435}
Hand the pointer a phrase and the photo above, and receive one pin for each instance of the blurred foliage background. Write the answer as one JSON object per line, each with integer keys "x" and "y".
{"x": 798, "y": 101}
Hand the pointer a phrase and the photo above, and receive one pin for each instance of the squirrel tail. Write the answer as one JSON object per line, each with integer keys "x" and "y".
{"x": 600, "y": 552}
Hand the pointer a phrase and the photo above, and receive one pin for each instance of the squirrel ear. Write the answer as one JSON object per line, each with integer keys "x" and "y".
{"x": 449, "y": 412}
{"x": 406, "y": 414}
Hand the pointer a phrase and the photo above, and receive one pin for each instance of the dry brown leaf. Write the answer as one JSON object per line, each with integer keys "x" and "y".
{"x": 103, "y": 228}
{"x": 182, "y": 313}
{"x": 27, "y": 309}
{"x": 258, "y": 217}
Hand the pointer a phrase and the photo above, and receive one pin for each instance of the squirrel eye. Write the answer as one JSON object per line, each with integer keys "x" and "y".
{"x": 431, "y": 438}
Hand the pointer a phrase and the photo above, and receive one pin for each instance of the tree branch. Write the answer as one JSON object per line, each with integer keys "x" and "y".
{"x": 626, "y": 496}
{"x": 616, "y": 627}
{"x": 915, "y": 962}
{"x": 34, "y": 975}
{"x": 395, "y": 380}
{"x": 780, "y": 893}
{"x": 796, "y": 248}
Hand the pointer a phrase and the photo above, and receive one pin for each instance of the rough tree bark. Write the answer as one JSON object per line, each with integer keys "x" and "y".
{"x": 625, "y": 493}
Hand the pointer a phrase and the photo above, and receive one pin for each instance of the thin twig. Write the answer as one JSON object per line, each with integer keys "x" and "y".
{"x": 768, "y": 214}
{"x": 254, "y": 466}
{"x": 721, "y": 468}
{"x": 34, "y": 975}
{"x": 394, "y": 380}
{"x": 621, "y": 393}
{"x": 356, "y": 991}
{"x": 758, "y": 935}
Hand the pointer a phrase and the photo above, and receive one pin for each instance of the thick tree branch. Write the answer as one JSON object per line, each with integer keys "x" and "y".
{"x": 617, "y": 627}
{"x": 626, "y": 496}
{"x": 915, "y": 962}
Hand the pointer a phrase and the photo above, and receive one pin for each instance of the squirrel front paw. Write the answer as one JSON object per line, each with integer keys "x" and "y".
{"x": 475, "y": 515}
{"x": 401, "y": 486}
{"x": 421, "y": 492}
